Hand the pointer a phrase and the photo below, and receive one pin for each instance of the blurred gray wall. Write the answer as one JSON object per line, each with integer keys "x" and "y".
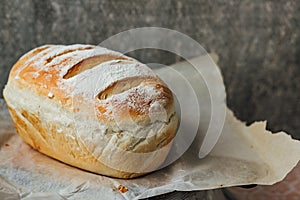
{"x": 258, "y": 42}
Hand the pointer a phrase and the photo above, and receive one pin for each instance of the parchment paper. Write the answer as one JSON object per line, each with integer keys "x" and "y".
{"x": 243, "y": 155}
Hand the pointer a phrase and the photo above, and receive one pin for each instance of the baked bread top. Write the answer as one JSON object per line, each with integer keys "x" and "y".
{"x": 91, "y": 76}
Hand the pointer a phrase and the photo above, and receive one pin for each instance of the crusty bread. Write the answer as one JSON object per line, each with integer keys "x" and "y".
{"x": 92, "y": 108}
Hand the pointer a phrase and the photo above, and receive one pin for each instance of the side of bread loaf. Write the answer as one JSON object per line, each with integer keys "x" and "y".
{"x": 92, "y": 108}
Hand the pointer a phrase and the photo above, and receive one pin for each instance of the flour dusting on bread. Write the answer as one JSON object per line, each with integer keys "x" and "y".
{"x": 92, "y": 108}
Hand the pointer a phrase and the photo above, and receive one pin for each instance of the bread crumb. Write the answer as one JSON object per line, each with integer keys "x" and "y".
{"x": 50, "y": 95}
{"x": 122, "y": 189}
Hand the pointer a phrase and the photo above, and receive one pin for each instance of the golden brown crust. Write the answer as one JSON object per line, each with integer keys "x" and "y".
{"x": 131, "y": 103}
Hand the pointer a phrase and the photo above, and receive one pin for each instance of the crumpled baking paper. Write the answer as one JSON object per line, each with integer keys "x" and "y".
{"x": 243, "y": 155}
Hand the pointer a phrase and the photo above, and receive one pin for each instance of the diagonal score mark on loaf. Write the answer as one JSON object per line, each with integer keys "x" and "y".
{"x": 89, "y": 63}
{"x": 73, "y": 60}
{"x": 49, "y": 59}
{"x": 122, "y": 85}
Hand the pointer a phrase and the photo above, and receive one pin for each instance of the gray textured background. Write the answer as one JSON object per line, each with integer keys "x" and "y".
{"x": 258, "y": 42}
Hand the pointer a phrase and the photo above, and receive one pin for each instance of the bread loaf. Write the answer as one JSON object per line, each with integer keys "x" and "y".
{"x": 92, "y": 108}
